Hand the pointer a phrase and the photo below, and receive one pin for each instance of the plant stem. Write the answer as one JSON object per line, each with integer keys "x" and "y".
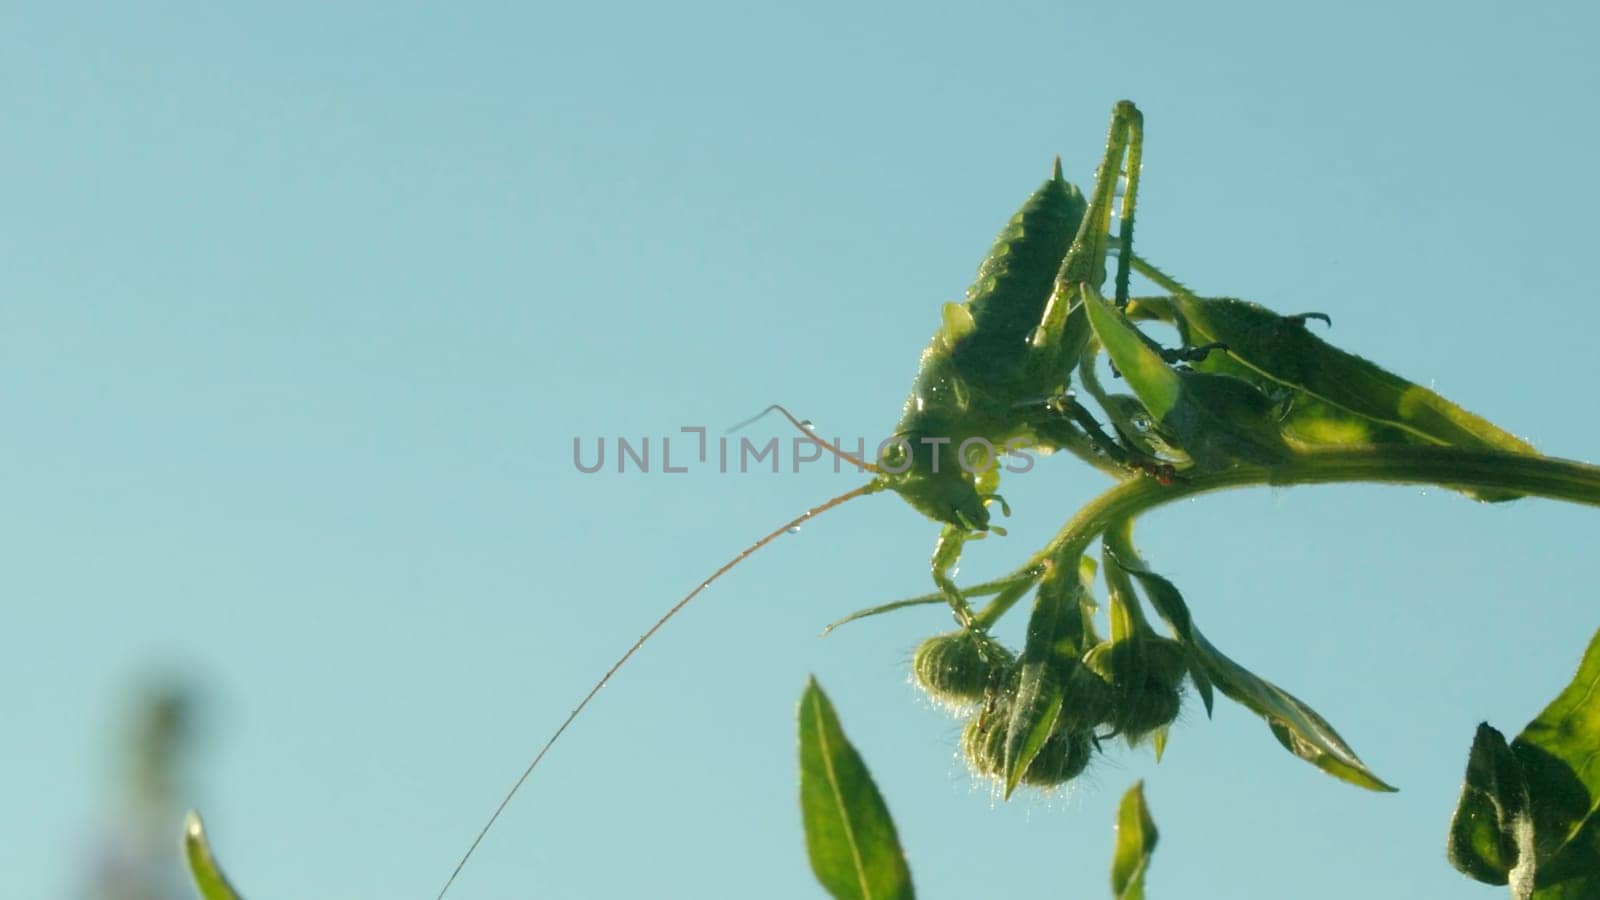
{"x": 1540, "y": 476}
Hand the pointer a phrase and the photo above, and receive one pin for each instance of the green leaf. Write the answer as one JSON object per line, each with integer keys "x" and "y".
{"x": 1334, "y": 397}
{"x": 1559, "y": 754}
{"x": 938, "y": 598}
{"x": 1054, "y": 627}
{"x": 1155, "y": 383}
{"x": 1578, "y": 887}
{"x": 208, "y": 877}
{"x": 849, "y": 835}
{"x": 1492, "y": 831}
{"x": 1296, "y": 726}
{"x": 1170, "y": 606}
{"x": 1529, "y": 814}
{"x": 1033, "y": 718}
{"x": 1136, "y": 840}
{"x": 1220, "y": 420}
{"x": 1282, "y": 349}
{"x": 1318, "y": 423}
{"x": 925, "y": 600}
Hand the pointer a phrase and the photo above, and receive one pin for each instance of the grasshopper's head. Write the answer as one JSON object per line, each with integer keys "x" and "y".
{"x": 927, "y": 472}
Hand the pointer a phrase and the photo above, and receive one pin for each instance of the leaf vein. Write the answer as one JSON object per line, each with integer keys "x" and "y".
{"x": 838, "y": 799}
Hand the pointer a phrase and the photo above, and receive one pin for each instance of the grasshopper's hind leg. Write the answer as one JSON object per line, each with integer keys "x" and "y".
{"x": 1063, "y": 333}
{"x": 1064, "y": 329}
{"x": 1086, "y": 259}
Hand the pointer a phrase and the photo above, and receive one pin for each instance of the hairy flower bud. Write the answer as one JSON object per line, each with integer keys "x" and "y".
{"x": 1145, "y": 674}
{"x": 983, "y": 742}
{"x": 958, "y": 668}
{"x": 1088, "y": 698}
{"x": 1064, "y": 756}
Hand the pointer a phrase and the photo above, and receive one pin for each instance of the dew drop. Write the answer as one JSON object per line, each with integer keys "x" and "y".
{"x": 1032, "y": 334}
{"x": 807, "y": 424}
{"x": 794, "y": 529}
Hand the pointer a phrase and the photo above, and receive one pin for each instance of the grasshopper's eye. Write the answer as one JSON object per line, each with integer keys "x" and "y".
{"x": 978, "y": 456}
{"x": 895, "y": 456}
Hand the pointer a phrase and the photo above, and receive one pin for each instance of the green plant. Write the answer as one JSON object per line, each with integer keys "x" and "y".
{"x": 1529, "y": 814}
{"x": 1250, "y": 398}
{"x": 851, "y": 838}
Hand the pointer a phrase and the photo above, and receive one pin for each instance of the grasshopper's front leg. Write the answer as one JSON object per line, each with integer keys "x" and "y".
{"x": 945, "y": 556}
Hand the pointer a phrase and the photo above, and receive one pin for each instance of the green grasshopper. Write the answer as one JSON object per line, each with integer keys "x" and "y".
{"x": 1249, "y": 388}
{"x": 999, "y": 367}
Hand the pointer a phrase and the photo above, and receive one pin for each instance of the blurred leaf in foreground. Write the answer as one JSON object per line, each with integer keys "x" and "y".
{"x": 132, "y": 857}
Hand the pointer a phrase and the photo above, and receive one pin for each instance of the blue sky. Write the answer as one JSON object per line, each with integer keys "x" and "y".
{"x": 304, "y": 306}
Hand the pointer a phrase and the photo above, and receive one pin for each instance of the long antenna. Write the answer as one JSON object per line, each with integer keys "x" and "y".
{"x": 868, "y": 488}
{"x": 806, "y": 429}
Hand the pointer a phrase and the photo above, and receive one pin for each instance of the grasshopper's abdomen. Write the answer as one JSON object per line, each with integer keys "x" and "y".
{"x": 1008, "y": 298}
{"x": 977, "y": 366}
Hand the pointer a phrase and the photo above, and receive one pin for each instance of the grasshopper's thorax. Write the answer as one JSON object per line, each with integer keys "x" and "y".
{"x": 976, "y": 376}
